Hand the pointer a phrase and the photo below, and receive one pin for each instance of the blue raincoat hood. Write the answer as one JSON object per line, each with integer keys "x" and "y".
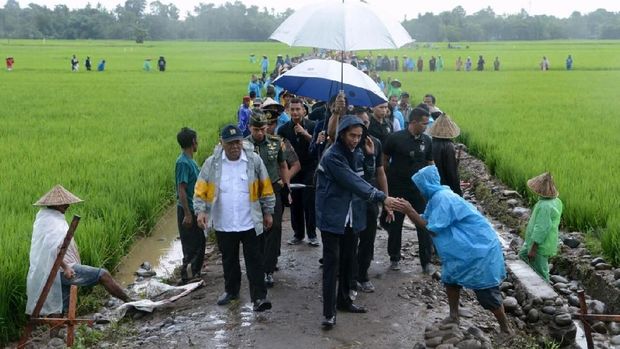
{"x": 427, "y": 180}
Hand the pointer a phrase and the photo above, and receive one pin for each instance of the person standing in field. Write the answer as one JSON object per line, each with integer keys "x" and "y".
{"x": 444, "y": 154}
{"x": 496, "y": 64}
{"x": 9, "y": 63}
{"x": 234, "y": 196}
{"x": 87, "y": 63}
{"x": 544, "y": 64}
{"x": 161, "y": 63}
{"x": 541, "y": 235}
{"x": 341, "y": 196}
{"x": 432, "y": 64}
{"x": 404, "y": 153}
{"x": 272, "y": 151}
{"x": 48, "y": 233}
{"x": 147, "y": 65}
{"x": 480, "y": 63}
{"x": 192, "y": 237}
{"x": 439, "y": 63}
{"x": 75, "y": 64}
{"x": 470, "y": 252}
{"x": 264, "y": 64}
{"x": 468, "y": 64}
{"x": 243, "y": 116}
{"x": 420, "y": 64}
{"x": 569, "y": 63}
{"x": 101, "y": 66}
{"x": 255, "y": 85}
{"x": 459, "y": 64}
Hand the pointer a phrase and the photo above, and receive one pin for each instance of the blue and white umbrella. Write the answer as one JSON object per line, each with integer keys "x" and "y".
{"x": 320, "y": 79}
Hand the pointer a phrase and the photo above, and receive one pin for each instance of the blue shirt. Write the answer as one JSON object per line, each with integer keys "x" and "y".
{"x": 282, "y": 119}
{"x": 256, "y": 87}
{"x": 243, "y": 119}
{"x": 399, "y": 116}
{"x": 186, "y": 171}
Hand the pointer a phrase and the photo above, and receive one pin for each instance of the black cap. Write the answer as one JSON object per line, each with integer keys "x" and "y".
{"x": 231, "y": 133}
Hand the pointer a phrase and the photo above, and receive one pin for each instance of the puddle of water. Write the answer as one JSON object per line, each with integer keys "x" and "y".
{"x": 162, "y": 249}
{"x": 580, "y": 338}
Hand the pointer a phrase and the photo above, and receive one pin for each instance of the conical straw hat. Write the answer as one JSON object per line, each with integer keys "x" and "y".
{"x": 444, "y": 127}
{"x": 543, "y": 185}
{"x": 58, "y": 196}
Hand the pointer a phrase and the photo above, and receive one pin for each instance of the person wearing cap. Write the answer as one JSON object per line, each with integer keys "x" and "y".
{"x": 341, "y": 196}
{"x": 298, "y": 131}
{"x": 275, "y": 108}
{"x": 48, "y": 233}
{"x": 470, "y": 252}
{"x": 234, "y": 196}
{"x": 444, "y": 154}
{"x": 193, "y": 240}
{"x": 243, "y": 116}
{"x": 292, "y": 160}
{"x": 252, "y": 58}
{"x": 541, "y": 235}
{"x": 404, "y": 153}
{"x": 255, "y": 85}
{"x": 271, "y": 150}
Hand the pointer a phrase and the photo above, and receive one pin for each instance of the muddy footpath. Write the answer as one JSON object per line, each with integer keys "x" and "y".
{"x": 405, "y": 311}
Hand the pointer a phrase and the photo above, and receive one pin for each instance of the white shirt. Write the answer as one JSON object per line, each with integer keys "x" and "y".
{"x": 232, "y": 211}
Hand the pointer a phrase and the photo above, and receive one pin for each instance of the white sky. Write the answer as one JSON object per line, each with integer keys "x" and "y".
{"x": 558, "y": 8}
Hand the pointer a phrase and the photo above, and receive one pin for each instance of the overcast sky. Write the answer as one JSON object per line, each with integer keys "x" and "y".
{"x": 558, "y": 8}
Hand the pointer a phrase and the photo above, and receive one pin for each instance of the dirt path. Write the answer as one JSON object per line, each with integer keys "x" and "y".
{"x": 404, "y": 303}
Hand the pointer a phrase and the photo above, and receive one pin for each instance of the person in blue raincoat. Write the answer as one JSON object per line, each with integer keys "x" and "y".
{"x": 470, "y": 252}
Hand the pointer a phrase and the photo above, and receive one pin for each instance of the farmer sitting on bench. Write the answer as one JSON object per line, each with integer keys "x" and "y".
{"x": 49, "y": 231}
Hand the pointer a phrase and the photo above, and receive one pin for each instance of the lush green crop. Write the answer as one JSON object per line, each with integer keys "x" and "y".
{"x": 109, "y": 137}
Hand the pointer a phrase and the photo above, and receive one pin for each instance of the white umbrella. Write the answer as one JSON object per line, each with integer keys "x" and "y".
{"x": 321, "y": 79}
{"x": 345, "y": 26}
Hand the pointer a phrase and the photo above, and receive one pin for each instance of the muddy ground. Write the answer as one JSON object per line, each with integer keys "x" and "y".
{"x": 404, "y": 304}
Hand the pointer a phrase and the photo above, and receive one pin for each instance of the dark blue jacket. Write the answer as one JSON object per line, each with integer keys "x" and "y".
{"x": 339, "y": 184}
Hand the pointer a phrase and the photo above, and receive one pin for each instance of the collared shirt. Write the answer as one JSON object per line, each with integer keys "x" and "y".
{"x": 272, "y": 151}
{"x": 408, "y": 154}
{"x": 232, "y": 211}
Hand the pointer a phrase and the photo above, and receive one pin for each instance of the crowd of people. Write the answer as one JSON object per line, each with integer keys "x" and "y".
{"x": 344, "y": 171}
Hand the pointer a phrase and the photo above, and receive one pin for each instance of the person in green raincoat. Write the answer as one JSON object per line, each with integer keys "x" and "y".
{"x": 541, "y": 236}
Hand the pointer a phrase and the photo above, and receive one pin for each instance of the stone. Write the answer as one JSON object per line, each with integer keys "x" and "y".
{"x": 615, "y": 340}
{"x": 433, "y": 342}
{"x": 564, "y": 335}
{"x": 146, "y": 265}
{"x": 617, "y": 283}
{"x": 563, "y": 319}
{"x": 469, "y": 344}
{"x": 510, "y": 304}
{"x": 56, "y": 343}
{"x": 558, "y": 278}
{"x": 521, "y": 212}
{"x": 145, "y": 273}
{"x": 505, "y": 286}
{"x": 511, "y": 193}
{"x": 419, "y": 346}
{"x": 549, "y": 309}
{"x": 533, "y": 315}
{"x": 571, "y": 242}
{"x": 444, "y": 346}
{"x": 512, "y": 202}
{"x": 595, "y": 306}
{"x": 603, "y": 266}
{"x": 599, "y": 327}
{"x": 565, "y": 291}
{"x": 597, "y": 260}
{"x": 476, "y": 333}
{"x": 560, "y": 285}
{"x": 614, "y": 328}
{"x": 464, "y": 312}
{"x": 617, "y": 274}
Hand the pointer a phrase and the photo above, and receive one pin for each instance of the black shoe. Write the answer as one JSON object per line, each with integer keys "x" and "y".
{"x": 261, "y": 305}
{"x": 352, "y": 308}
{"x": 269, "y": 280}
{"x": 226, "y": 298}
{"x": 328, "y": 323}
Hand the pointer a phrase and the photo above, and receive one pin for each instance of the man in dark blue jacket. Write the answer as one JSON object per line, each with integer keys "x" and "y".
{"x": 341, "y": 196}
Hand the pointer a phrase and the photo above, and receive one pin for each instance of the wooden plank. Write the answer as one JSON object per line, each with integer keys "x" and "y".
{"x": 586, "y": 326}
{"x": 72, "y": 307}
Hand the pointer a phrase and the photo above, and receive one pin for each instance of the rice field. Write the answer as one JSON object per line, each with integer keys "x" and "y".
{"x": 109, "y": 137}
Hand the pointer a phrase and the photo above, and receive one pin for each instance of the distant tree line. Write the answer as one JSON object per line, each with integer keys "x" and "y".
{"x": 139, "y": 20}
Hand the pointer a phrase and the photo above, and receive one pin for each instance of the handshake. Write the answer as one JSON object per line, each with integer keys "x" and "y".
{"x": 392, "y": 204}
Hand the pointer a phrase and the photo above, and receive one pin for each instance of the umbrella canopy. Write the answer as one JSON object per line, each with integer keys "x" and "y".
{"x": 345, "y": 26}
{"x": 320, "y": 79}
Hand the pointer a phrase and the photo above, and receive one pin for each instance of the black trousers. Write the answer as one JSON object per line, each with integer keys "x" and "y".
{"x": 193, "y": 244}
{"x": 395, "y": 229}
{"x": 338, "y": 252}
{"x": 366, "y": 247}
{"x": 228, "y": 243}
{"x": 271, "y": 239}
{"x": 302, "y": 209}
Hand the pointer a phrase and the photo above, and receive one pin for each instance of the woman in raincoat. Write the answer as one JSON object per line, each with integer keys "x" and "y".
{"x": 471, "y": 255}
{"x": 541, "y": 236}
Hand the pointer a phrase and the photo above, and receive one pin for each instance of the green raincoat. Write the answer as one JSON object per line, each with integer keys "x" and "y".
{"x": 542, "y": 229}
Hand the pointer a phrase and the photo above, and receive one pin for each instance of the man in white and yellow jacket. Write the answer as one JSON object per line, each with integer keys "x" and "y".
{"x": 234, "y": 196}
